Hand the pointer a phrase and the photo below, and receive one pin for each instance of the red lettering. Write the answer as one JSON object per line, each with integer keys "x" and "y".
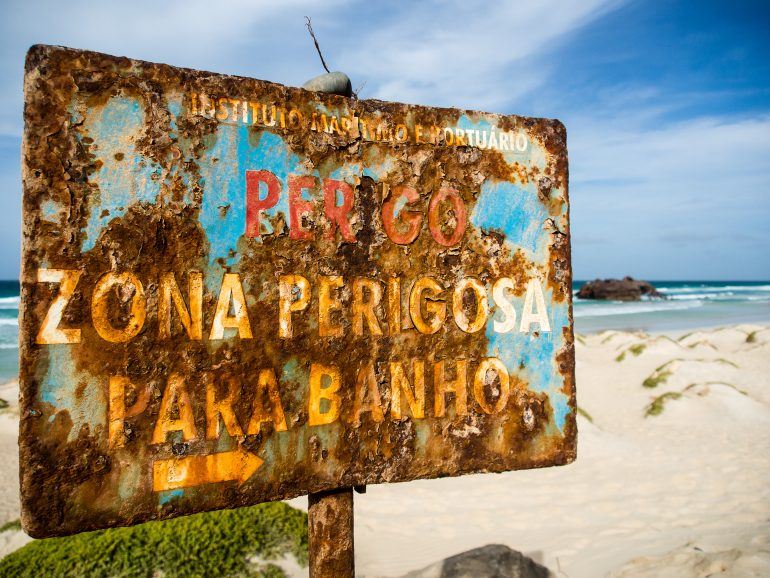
{"x": 338, "y": 213}
{"x": 412, "y": 219}
{"x": 460, "y": 214}
{"x": 255, "y": 205}
{"x": 298, "y": 207}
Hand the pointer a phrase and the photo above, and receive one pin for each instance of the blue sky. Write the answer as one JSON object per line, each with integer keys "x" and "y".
{"x": 667, "y": 104}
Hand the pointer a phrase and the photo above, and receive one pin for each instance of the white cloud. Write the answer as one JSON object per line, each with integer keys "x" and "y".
{"x": 248, "y": 37}
{"x": 673, "y": 198}
{"x": 468, "y": 54}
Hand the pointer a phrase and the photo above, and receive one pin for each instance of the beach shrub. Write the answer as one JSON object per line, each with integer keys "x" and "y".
{"x": 656, "y": 406}
{"x": 3, "y": 404}
{"x": 751, "y": 337}
{"x": 227, "y": 543}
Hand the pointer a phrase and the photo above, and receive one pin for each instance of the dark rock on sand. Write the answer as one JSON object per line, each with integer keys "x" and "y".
{"x": 491, "y": 561}
{"x": 626, "y": 289}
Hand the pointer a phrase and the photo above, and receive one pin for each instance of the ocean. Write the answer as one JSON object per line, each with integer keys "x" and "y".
{"x": 689, "y": 304}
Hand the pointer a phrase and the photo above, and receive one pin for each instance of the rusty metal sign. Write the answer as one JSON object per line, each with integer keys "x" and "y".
{"x": 234, "y": 291}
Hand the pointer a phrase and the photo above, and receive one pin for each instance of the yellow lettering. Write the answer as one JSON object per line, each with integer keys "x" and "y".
{"x": 481, "y": 380}
{"x": 441, "y": 386}
{"x": 100, "y": 311}
{"x": 231, "y": 290}
{"x": 394, "y": 305}
{"x": 175, "y": 395}
{"x": 291, "y": 300}
{"x": 367, "y": 396}
{"x": 364, "y": 309}
{"x": 327, "y": 305}
{"x": 221, "y": 407}
{"x": 399, "y": 383}
{"x": 434, "y": 306}
{"x": 319, "y": 392}
{"x": 192, "y": 320}
{"x": 118, "y": 411}
{"x": 267, "y": 383}
{"x": 481, "y": 305}
{"x": 50, "y": 332}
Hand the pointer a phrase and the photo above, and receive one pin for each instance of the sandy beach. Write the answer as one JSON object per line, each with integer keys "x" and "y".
{"x": 671, "y": 477}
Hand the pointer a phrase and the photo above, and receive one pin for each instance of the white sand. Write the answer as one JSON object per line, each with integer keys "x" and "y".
{"x": 685, "y": 493}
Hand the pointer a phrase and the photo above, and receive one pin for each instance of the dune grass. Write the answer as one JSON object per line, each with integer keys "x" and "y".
{"x": 659, "y": 376}
{"x": 724, "y": 383}
{"x": 662, "y": 373}
{"x": 635, "y": 350}
{"x": 13, "y": 525}
{"x": 585, "y": 414}
{"x": 656, "y": 405}
{"x": 227, "y": 543}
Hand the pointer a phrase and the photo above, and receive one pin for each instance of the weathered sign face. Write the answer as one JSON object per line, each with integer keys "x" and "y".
{"x": 234, "y": 291}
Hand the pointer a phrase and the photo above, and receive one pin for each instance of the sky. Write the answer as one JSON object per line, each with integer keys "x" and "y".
{"x": 666, "y": 103}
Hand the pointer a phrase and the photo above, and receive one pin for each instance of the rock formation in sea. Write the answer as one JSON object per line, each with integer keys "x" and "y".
{"x": 626, "y": 289}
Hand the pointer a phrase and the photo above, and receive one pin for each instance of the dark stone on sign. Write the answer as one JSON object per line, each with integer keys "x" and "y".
{"x": 331, "y": 83}
{"x": 626, "y": 289}
{"x": 490, "y": 561}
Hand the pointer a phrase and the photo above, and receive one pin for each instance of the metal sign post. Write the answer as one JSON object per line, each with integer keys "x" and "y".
{"x": 234, "y": 291}
{"x": 330, "y": 534}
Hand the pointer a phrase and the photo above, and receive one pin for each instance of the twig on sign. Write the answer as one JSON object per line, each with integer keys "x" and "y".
{"x": 358, "y": 90}
{"x": 315, "y": 41}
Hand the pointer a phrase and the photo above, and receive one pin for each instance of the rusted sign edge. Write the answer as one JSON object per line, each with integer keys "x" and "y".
{"x": 37, "y": 58}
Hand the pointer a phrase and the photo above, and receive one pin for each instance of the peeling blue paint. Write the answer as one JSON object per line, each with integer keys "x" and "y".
{"x": 168, "y": 495}
{"x": 50, "y": 210}
{"x": 122, "y": 180}
{"x": 60, "y": 388}
{"x": 513, "y": 210}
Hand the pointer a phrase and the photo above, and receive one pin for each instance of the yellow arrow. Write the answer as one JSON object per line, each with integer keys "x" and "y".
{"x": 191, "y": 471}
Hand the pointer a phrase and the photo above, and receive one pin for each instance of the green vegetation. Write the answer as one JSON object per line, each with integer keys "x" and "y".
{"x": 686, "y": 335}
{"x": 609, "y": 336}
{"x": 3, "y": 404}
{"x": 12, "y": 525}
{"x": 580, "y": 339}
{"x": 660, "y": 375}
{"x": 656, "y": 406}
{"x": 635, "y": 350}
{"x": 224, "y": 544}
{"x": 656, "y": 379}
{"x": 752, "y": 337}
{"x": 585, "y": 414}
{"x": 731, "y": 385}
{"x": 703, "y": 342}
